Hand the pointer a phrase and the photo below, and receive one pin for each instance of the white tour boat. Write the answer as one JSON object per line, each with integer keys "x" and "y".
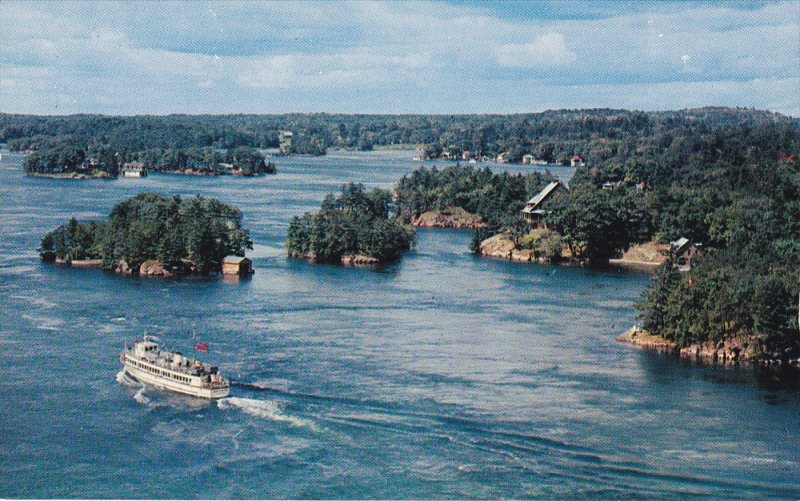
{"x": 168, "y": 370}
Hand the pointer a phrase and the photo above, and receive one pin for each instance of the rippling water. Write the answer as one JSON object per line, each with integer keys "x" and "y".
{"x": 441, "y": 375}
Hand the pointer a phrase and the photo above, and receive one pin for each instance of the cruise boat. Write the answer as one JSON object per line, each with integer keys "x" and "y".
{"x": 146, "y": 362}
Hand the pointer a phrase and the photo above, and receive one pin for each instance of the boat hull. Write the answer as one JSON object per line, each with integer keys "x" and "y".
{"x": 166, "y": 384}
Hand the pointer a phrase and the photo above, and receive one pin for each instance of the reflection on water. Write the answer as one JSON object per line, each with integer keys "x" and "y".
{"x": 439, "y": 375}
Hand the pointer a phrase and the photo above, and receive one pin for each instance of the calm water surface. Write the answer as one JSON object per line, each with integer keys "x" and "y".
{"x": 441, "y": 375}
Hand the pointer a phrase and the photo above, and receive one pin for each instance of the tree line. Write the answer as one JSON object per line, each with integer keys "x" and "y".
{"x": 624, "y": 141}
{"x": 726, "y": 178}
{"x": 64, "y": 157}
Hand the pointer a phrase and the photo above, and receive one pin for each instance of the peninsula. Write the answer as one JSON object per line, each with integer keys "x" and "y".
{"x": 708, "y": 200}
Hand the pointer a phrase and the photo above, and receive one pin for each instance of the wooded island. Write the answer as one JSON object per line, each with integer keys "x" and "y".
{"x": 355, "y": 227}
{"x": 153, "y": 235}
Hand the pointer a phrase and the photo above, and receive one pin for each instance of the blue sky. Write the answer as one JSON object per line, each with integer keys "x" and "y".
{"x": 363, "y": 57}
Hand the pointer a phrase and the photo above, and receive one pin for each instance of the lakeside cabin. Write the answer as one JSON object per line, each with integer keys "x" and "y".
{"x": 534, "y": 212}
{"x": 576, "y": 161}
{"x": 134, "y": 169}
{"x": 285, "y": 138}
{"x": 684, "y": 251}
{"x": 237, "y": 265}
{"x": 503, "y": 158}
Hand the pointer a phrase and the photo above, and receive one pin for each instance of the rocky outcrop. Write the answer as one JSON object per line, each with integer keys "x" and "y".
{"x": 346, "y": 260}
{"x": 153, "y": 268}
{"x": 644, "y": 256}
{"x": 359, "y": 259}
{"x": 452, "y": 217}
{"x": 497, "y": 246}
{"x": 747, "y": 349}
{"x": 644, "y": 339}
{"x": 500, "y": 247}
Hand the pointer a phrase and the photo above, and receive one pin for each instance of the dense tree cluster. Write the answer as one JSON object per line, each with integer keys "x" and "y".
{"x": 748, "y": 279}
{"x": 61, "y": 157}
{"x": 357, "y": 222}
{"x": 598, "y": 224}
{"x": 194, "y": 232}
{"x": 726, "y": 178}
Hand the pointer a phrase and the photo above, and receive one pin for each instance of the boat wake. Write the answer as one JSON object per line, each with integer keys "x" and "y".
{"x": 265, "y": 409}
{"x": 139, "y": 397}
{"x": 124, "y": 379}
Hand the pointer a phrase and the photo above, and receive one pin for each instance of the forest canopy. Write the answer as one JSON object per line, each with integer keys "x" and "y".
{"x": 191, "y": 234}
{"x": 356, "y": 222}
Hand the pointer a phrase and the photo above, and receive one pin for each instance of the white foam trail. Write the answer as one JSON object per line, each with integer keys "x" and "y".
{"x": 139, "y": 397}
{"x": 123, "y": 378}
{"x": 265, "y": 409}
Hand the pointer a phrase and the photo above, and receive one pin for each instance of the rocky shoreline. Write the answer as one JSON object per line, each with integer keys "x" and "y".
{"x": 737, "y": 350}
{"x": 72, "y": 175}
{"x": 451, "y": 217}
{"x": 500, "y": 247}
{"x": 150, "y": 268}
{"x": 645, "y": 257}
{"x": 345, "y": 260}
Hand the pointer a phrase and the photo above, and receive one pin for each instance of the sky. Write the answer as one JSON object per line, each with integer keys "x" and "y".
{"x": 125, "y": 58}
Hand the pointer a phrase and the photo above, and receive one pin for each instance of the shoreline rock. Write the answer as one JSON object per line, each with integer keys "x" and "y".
{"x": 345, "y": 260}
{"x": 153, "y": 268}
{"x": 500, "y": 247}
{"x": 737, "y": 350}
{"x": 643, "y": 339}
{"x": 645, "y": 257}
{"x": 150, "y": 268}
{"x": 451, "y": 217}
{"x": 72, "y": 175}
{"x": 359, "y": 259}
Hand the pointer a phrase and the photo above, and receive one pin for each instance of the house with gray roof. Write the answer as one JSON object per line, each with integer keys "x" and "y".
{"x": 534, "y": 210}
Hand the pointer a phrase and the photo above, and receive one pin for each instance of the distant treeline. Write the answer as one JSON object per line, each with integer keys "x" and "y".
{"x": 63, "y": 157}
{"x": 621, "y": 142}
{"x": 191, "y": 234}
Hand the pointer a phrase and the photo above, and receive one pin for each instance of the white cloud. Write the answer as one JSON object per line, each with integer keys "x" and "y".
{"x": 415, "y": 57}
{"x": 546, "y": 51}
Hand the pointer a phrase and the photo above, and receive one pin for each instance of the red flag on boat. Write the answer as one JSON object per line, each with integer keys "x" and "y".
{"x": 202, "y": 347}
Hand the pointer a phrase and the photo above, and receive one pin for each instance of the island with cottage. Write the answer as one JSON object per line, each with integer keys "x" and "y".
{"x": 154, "y": 235}
{"x": 106, "y": 162}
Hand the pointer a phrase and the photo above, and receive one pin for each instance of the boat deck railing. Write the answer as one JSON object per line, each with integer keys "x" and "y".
{"x": 190, "y": 370}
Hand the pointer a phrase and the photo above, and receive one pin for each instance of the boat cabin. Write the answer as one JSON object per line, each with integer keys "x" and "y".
{"x": 145, "y": 348}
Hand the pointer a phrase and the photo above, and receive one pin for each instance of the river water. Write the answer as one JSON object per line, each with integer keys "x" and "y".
{"x": 441, "y": 375}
